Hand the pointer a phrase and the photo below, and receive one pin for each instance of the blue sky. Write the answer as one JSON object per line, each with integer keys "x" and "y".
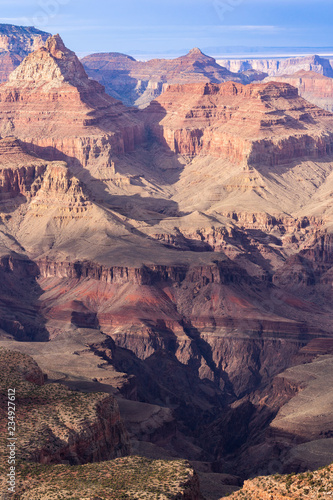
{"x": 158, "y": 27}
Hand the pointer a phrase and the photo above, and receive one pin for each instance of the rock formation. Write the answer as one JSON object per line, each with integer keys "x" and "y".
{"x": 129, "y": 477}
{"x": 237, "y": 122}
{"x": 49, "y": 102}
{"x": 16, "y": 42}
{"x": 278, "y": 67}
{"x": 316, "y": 485}
{"x": 178, "y": 257}
{"x": 60, "y": 426}
{"x": 312, "y": 86}
{"x": 138, "y": 82}
{"x": 57, "y": 424}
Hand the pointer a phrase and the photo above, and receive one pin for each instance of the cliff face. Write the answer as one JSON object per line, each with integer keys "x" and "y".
{"x": 314, "y": 87}
{"x": 102, "y": 438}
{"x": 186, "y": 249}
{"x": 59, "y": 425}
{"x": 75, "y": 116}
{"x": 136, "y": 82}
{"x": 278, "y": 67}
{"x": 23, "y": 176}
{"x": 21, "y": 40}
{"x": 16, "y": 42}
{"x": 237, "y": 122}
{"x": 18, "y": 171}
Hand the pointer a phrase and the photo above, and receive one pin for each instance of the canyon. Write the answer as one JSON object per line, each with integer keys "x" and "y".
{"x": 311, "y": 75}
{"x": 177, "y": 260}
{"x": 139, "y": 82}
{"x": 76, "y": 430}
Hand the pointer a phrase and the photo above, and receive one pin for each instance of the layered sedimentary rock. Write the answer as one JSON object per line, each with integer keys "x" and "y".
{"x": 185, "y": 270}
{"x": 307, "y": 418}
{"x": 138, "y": 82}
{"x": 50, "y": 102}
{"x": 279, "y": 67}
{"x": 16, "y": 42}
{"x": 246, "y": 124}
{"x": 312, "y": 86}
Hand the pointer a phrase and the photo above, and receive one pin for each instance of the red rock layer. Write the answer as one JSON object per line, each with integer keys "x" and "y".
{"x": 258, "y": 123}
{"x": 314, "y": 87}
{"x": 23, "y": 174}
{"x": 49, "y": 102}
{"x": 18, "y": 171}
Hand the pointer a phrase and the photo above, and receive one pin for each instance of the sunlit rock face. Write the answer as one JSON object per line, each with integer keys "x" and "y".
{"x": 180, "y": 255}
{"x": 16, "y": 42}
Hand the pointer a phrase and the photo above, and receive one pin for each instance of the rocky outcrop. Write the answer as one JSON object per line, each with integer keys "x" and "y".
{"x": 52, "y": 62}
{"x": 94, "y": 440}
{"x": 16, "y": 42}
{"x": 21, "y": 39}
{"x": 316, "y": 484}
{"x": 24, "y": 176}
{"x": 208, "y": 121}
{"x": 18, "y": 171}
{"x": 132, "y": 476}
{"x": 314, "y": 87}
{"x": 58, "y": 425}
{"x": 73, "y": 117}
{"x": 137, "y": 82}
{"x": 277, "y": 67}
{"x": 198, "y": 264}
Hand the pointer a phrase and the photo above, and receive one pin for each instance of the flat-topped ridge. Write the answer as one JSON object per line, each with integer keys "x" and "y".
{"x": 10, "y": 29}
{"x": 273, "y": 89}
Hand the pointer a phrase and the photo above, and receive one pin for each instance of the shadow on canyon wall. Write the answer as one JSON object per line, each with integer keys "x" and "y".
{"x": 134, "y": 206}
{"x": 20, "y": 316}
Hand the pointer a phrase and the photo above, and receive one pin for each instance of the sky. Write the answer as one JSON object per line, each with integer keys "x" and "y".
{"x": 148, "y": 28}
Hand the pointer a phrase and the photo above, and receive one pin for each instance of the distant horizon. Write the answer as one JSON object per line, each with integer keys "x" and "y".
{"x": 217, "y": 53}
{"x": 151, "y": 29}
{"x": 247, "y": 55}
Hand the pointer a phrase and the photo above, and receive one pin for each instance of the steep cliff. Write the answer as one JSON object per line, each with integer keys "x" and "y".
{"x": 251, "y": 124}
{"x": 72, "y": 115}
{"x": 56, "y": 424}
{"x": 314, "y": 87}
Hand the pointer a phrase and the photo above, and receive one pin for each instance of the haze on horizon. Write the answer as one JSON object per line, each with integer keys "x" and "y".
{"x": 171, "y": 28}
